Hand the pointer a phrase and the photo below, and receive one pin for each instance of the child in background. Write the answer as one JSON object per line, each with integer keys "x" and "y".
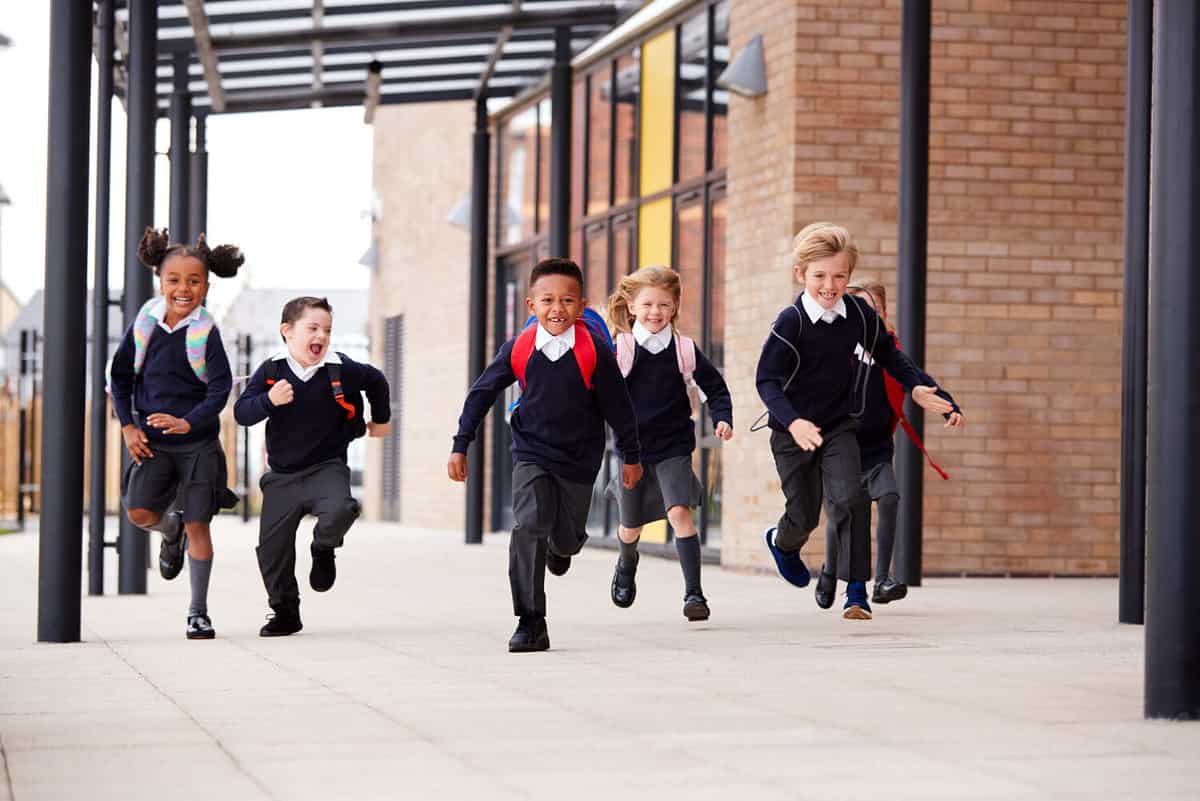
{"x": 169, "y": 381}
{"x": 659, "y": 364}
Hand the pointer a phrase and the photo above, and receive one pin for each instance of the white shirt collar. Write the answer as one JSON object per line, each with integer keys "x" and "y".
{"x": 816, "y": 312}
{"x": 554, "y": 347}
{"x": 655, "y": 343}
{"x": 159, "y": 312}
{"x": 305, "y": 373}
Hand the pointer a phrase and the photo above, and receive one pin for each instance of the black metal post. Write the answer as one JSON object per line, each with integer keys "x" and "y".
{"x": 99, "y": 434}
{"x": 1132, "y": 584}
{"x": 1173, "y": 585}
{"x": 35, "y": 372}
{"x": 60, "y": 551}
{"x": 910, "y": 275}
{"x": 22, "y": 428}
{"x": 181, "y": 150}
{"x": 560, "y": 145}
{"x": 141, "y": 110}
{"x": 477, "y": 327}
{"x": 247, "y": 347}
{"x": 198, "y": 204}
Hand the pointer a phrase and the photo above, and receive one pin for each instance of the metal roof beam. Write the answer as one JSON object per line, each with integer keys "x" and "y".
{"x": 497, "y": 53}
{"x": 206, "y": 52}
{"x": 430, "y": 28}
{"x": 217, "y": 17}
{"x": 354, "y": 98}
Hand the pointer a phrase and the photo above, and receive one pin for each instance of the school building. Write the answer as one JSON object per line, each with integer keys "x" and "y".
{"x": 666, "y": 167}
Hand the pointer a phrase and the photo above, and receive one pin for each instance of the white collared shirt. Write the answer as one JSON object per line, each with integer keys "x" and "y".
{"x": 554, "y": 347}
{"x": 816, "y": 311}
{"x": 655, "y": 343}
{"x": 304, "y": 373}
{"x": 159, "y": 312}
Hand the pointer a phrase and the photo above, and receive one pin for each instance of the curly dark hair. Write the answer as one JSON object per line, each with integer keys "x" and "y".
{"x": 556, "y": 266}
{"x": 156, "y": 247}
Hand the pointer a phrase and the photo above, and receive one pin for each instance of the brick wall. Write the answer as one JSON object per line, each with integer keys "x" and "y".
{"x": 1024, "y": 254}
{"x": 422, "y": 167}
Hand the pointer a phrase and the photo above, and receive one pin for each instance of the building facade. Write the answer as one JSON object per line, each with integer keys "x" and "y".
{"x": 1024, "y": 267}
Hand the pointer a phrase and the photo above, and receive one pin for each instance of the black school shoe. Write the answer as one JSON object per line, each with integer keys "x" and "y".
{"x": 826, "y": 589}
{"x": 172, "y": 550}
{"x": 624, "y": 588}
{"x": 695, "y": 607}
{"x": 888, "y": 590}
{"x": 285, "y": 621}
{"x": 531, "y": 635}
{"x": 324, "y": 571}
{"x": 557, "y": 565}
{"x": 199, "y": 627}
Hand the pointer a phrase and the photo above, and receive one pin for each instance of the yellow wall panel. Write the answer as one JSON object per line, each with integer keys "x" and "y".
{"x": 658, "y": 113}
{"x": 654, "y": 233}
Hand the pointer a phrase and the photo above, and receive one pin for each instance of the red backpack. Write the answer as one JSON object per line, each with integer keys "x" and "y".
{"x": 584, "y": 350}
{"x": 895, "y": 396}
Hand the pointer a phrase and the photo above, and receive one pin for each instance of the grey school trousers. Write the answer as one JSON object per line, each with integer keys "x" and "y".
{"x": 322, "y": 490}
{"x": 830, "y": 473}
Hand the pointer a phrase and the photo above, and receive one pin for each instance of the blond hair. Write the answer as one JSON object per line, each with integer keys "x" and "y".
{"x": 620, "y": 313}
{"x": 821, "y": 240}
{"x": 877, "y": 291}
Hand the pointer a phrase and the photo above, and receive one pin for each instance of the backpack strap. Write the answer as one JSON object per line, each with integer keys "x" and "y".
{"x": 522, "y": 349}
{"x": 585, "y": 352}
{"x": 626, "y": 348}
{"x": 685, "y": 355}
{"x": 271, "y": 370}
{"x": 895, "y": 396}
{"x": 339, "y": 395}
{"x": 195, "y": 342}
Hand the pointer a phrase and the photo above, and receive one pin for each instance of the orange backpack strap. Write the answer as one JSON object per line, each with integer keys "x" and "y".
{"x": 585, "y": 352}
{"x": 522, "y": 349}
{"x": 339, "y": 395}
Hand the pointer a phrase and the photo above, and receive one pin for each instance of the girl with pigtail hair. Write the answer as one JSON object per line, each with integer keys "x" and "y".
{"x": 662, "y": 369}
{"x": 169, "y": 381}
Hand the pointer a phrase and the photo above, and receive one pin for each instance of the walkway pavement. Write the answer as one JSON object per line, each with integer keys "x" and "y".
{"x": 400, "y": 687}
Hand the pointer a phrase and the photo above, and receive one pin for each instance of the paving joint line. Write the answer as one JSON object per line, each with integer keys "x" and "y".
{"x": 12, "y": 794}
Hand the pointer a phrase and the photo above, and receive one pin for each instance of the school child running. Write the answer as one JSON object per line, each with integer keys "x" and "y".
{"x": 312, "y": 400}
{"x": 876, "y": 448}
{"x": 812, "y": 377}
{"x": 660, "y": 365}
{"x": 571, "y": 387}
{"x": 169, "y": 381}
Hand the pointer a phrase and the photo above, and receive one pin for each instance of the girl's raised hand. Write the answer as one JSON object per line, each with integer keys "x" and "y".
{"x": 136, "y": 443}
{"x": 724, "y": 431}
{"x": 956, "y": 420}
{"x": 168, "y": 424}
{"x": 926, "y": 398}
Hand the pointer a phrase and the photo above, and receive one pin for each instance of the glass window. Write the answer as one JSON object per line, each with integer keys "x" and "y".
{"x": 629, "y": 82}
{"x": 689, "y": 263}
{"x": 716, "y": 266}
{"x": 543, "y": 135}
{"x": 519, "y": 143}
{"x": 600, "y": 141}
{"x": 595, "y": 273}
{"x": 579, "y": 138}
{"x": 690, "y": 81}
{"x": 720, "y": 98}
{"x": 624, "y": 246}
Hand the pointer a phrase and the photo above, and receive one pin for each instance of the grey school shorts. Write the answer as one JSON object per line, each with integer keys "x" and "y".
{"x": 664, "y": 484}
{"x": 880, "y": 480}
{"x": 190, "y": 477}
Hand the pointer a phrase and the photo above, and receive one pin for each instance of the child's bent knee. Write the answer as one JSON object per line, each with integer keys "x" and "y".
{"x": 142, "y": 518}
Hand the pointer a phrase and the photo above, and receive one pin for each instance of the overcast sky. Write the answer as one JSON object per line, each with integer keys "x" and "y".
{"x": 292, "y": 188}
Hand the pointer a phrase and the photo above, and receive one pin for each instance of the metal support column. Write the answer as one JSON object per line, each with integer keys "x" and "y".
{"x": 198, "y": 204}
{"x": 477, "y": 326}
{"x": 60, "y": 545}
{"x": 181, "y": 150}
{"x": 1131, "y": 590}
{"x": 910, "y": 273}
{"x": 22, "y": 428}
{"x": 1173, "y": 578}
{"x": 99, "y": 432}
{"x": 247, "y": 346}
{"x": 560, "y": 145}
{"x": 141, "y": 107}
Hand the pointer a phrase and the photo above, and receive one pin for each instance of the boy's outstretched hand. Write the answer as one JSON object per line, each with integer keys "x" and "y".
{"x": 955, "y": 420}
{"x": 456, "y": 468}
{"x": 281, "y": 393}
{"x": 723, "y": 431}
{"x": 631, "y": 474}
{"x": 379, "y": 429}
{"x": 806, "y": 435}
{"x": 926, "y": 398}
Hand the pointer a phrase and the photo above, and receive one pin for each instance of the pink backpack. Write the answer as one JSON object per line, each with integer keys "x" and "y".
{"x": 685, "y": 356}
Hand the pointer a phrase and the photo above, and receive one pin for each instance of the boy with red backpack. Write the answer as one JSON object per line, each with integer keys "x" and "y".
{"x": 571, "y": 387}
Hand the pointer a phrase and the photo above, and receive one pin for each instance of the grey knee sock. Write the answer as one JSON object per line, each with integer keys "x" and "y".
{"x": 199, "y": 570}
{"x": 629, "y": 550}
{"x": 885, "y": 533}
{"x": 688, "y": 549}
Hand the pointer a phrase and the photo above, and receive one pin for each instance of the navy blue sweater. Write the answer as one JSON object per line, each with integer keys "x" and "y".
{"x": 660, "y": 400}
{"x": 559, "y": 424}
{"x": 313, "y": 428}
{"x": 822, "y": 390}
{"x": 168, "y": 385}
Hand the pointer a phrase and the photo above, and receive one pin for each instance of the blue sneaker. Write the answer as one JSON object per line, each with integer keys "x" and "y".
{"x": 856, "y": 607}
{"x": 790, "y": 565}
